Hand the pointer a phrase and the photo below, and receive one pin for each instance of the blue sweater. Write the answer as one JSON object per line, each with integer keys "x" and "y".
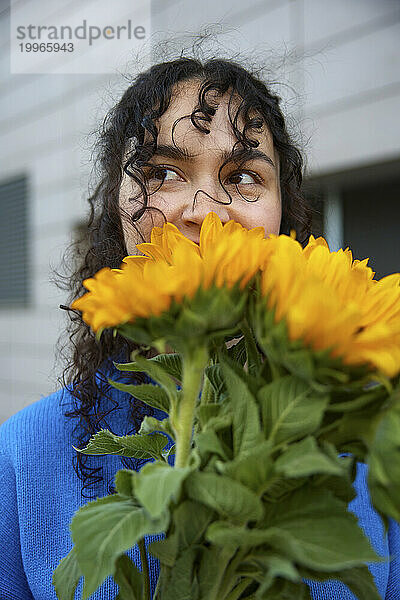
{"x": 40, "y": 492}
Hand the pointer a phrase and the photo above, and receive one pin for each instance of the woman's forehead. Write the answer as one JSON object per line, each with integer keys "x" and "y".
{"x": 184, "y": 101}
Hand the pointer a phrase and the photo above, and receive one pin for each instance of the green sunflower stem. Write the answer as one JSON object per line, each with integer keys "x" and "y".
{"x": 194, "y": 362}
{"x": 145, "y": 570}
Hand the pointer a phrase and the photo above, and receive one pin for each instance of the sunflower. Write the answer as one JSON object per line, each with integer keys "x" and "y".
{"x": 172, "y": 269}
{"x": 330, "y": 301}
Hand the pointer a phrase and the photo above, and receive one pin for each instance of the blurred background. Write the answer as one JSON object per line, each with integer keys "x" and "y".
{"x": 336, "y": 66}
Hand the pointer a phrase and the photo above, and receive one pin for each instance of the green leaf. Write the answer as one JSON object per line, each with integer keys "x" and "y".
{"x": 341, "y": 486}
{"x": 124, "y": 482}
{"x": 232, "y": 536}
{"x": 384, "y": 464}
{"x": 208, "y": 443}
{"x": 282, "y": 589}
{"x": 246, "y": 418}
{"x": 128, "y": 367}
{"x": 158, "y": 483}
{"x": 253, "y": 470}
{"x": 211, "y": 570}
{"x": 66, "y": 576}
{"x": 151, "y": 425}
{"x": 181, "y": 584}
{"x": 223, "y": 420}
{"x": 274, "y": 565}
{"x": 205, "y": 412}
{"x": 128, "y": 578}
{"x": 227, "y": 497}
{"x": 104, "y": 529}
{"x": 358, "y": 579}
{"x": 300, "y": 363}
{"x": 135, "y": 332}
{"x": 238, "y": 352}
{"x": 150, "y": 394}
{"x": 136, "y": 446}
{"x": 383, "y": 502}
{"x": 191, "y": 520}
{"x": 165, "y": 550}
{"x": 157, "y": 373}
{"x": 207, "y": 391}
{"x": 171, "y": 363}
{"x": 290, "y": 409}
{"x": 355, "y": 428}
{"x": 316, "y": 530}
{"x": 214, "y": 374}
{"x": 326, "y": 554}
{"x": 378, "y": 393}
{"x": 253, "y": 355}
{"x": 304, "y": 458}
{"x": 279, "y": 487}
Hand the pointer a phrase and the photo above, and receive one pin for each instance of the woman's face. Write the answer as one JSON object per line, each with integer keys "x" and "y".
{"x": 188, "y": 188}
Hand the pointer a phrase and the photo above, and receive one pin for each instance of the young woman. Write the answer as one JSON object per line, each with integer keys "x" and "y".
{"x": 185, "y": 139}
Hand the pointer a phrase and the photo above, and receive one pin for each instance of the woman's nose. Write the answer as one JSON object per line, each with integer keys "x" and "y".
{"x": 203, "y": 202}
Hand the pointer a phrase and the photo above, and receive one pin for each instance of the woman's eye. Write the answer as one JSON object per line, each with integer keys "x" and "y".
{"x": 251, "y": 178}
{"x": 160, "y": 173}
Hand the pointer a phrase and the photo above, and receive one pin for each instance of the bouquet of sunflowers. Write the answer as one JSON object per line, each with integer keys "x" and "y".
{"x": 267, "y": 434}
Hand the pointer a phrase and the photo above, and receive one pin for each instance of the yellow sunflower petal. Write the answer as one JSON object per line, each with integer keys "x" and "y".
{"x": 210, "y": 231}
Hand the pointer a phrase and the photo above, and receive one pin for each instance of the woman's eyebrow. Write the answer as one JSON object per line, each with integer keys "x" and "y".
{"x": 236, "y": 154}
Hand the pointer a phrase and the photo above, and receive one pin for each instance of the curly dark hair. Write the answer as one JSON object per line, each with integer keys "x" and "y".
{"x": 145, "y": 100}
